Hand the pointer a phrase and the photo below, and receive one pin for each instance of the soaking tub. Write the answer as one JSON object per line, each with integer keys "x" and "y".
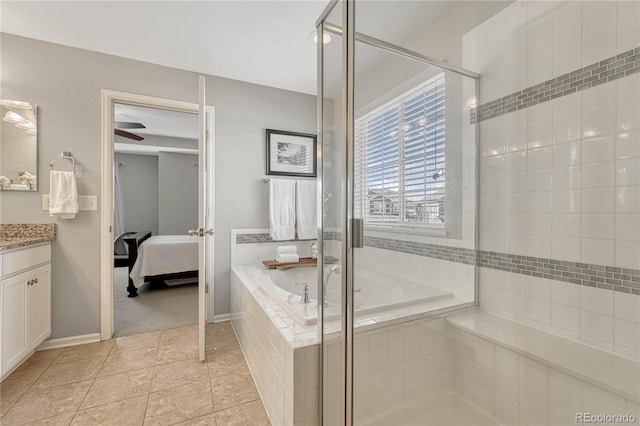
{"x": 375, "y": 292}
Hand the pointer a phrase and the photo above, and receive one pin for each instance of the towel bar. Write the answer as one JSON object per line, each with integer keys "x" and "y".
{"x": 67, "y": 156}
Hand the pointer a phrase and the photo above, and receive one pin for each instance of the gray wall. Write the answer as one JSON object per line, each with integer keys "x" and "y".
{"x": 66, "y": 83}
{"x": 177, "y": 193}
{"x": 139, "y": 184}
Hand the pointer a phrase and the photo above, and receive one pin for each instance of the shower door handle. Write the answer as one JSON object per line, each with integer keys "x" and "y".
{"x": 357, "y": 229}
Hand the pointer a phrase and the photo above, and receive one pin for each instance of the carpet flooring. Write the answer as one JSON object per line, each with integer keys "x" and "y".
{"x": 157, "y": 307}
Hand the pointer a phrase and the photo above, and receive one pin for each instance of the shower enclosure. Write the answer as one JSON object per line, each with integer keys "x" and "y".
{"x": 398, "y": 180}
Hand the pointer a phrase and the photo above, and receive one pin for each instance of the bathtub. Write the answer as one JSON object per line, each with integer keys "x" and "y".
{"x": 375, "y": 292}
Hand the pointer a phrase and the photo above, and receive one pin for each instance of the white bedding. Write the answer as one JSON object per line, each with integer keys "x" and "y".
{"x": 165, "y": 254}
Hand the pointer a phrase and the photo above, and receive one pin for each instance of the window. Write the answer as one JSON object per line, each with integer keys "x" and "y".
{"x": 400, "y": 159}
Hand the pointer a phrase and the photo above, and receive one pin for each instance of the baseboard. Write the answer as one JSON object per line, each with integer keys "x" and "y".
{"x": 221, "y": 318}
{"x": 65, "y": 342}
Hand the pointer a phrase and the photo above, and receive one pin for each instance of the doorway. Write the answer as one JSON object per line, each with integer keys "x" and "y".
{"x": 155, "y": 194}
{"x": 203, "y": 152}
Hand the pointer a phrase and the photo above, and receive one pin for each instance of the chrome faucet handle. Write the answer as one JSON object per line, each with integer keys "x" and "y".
{"x": 305, "y": 292}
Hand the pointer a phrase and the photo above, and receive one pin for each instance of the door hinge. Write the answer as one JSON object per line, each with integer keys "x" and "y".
{"x": 110, "y": 229}
{"x": 206, "y": 288}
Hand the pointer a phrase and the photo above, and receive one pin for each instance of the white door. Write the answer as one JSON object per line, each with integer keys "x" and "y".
{"x": 39, "y": 306}
{"x": 205, "y": 210}
{"x": 15, "y": 343}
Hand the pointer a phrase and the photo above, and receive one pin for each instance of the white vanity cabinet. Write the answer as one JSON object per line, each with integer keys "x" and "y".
{"x": 25, "y": 303}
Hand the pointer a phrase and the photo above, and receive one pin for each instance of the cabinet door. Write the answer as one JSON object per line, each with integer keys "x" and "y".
{"x": 39, "y": 306}
{"x": 15, "y": 344}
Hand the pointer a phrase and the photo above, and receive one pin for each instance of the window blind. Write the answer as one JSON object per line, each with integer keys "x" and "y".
{"x": 400, "y": 159}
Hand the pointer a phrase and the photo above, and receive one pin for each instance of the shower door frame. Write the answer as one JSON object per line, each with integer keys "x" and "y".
{"x": 349, "y": 37}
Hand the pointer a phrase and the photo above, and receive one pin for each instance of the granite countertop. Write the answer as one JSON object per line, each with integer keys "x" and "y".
{"x": 14, "y": 236}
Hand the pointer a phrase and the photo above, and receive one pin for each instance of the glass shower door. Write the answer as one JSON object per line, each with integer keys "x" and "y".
{"x": 332, "y": 244}
{"x": 398, "y": 184}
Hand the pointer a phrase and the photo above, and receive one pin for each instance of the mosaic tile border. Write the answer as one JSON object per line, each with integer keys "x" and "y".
{"x": 601, "y": 72}
{"x": 624, "y": 280}
{"x": 436, "y": 251}
{"x": 258, "y": 238}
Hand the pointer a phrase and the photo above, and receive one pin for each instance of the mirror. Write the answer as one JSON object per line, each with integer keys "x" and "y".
{"x": 18, "y": 146}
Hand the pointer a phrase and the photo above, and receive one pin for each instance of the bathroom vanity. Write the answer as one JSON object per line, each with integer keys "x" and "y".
{"x": 25, "y": 297}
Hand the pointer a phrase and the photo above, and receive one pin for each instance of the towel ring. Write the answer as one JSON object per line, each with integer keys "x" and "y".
{"x": 67, "y": 156}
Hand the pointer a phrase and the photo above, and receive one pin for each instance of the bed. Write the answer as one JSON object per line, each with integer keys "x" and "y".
{"x": 160, "y": 258}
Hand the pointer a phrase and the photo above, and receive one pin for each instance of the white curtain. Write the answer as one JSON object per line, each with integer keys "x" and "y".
{"x": 118, "y": 208}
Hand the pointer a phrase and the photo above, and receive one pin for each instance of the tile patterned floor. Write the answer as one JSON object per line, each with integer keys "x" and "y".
{"x": 146, "y": 379}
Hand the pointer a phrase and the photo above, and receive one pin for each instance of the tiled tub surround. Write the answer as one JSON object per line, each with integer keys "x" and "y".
{"x": 282, "y": 355}
{"x": 396, "y": 363}
{"x": 25, "y": 234}
{"x": 559, "y": 180}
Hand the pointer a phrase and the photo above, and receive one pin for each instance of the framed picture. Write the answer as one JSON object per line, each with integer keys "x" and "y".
{"x": 291, "y": 154}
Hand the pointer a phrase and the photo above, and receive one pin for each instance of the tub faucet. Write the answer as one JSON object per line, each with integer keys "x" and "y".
{"x": 334, "y": 269}
{"x": 305, "y": 293}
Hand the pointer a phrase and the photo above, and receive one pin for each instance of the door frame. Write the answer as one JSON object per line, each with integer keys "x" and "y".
{"x": 109, "y": 99}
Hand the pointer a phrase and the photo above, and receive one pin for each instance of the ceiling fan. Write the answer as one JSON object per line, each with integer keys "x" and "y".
{"x": 120, "y": 125}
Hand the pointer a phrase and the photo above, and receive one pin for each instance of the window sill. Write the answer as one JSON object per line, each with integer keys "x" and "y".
{"x": 409, "y": 230}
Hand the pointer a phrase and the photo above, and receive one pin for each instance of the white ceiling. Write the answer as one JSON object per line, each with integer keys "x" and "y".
{"x": 265, "y": 42}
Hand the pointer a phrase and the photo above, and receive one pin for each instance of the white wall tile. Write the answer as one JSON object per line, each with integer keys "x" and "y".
{"x": 540, "y": 114}
{"x": 597, "y": 123}
{"x": 599, "y": 97}
{"x": 567, "y": 177}
{"x": 627, "y": 307}
{"x": 628, "y": 28}
{"x": 539, "y": 310}
{"x": 628, "y": 117}
{"x": 540, "y": 136}
{"x": 566, "y": 248}
{"x": 566, "y": 390}
{"x": 628, "y": 89}
{"x": 566, "y": 224}
{"x": 534, "y": 405}
{"x": 601, "y": 174}
{"x": 599, "y": 148}
{"x": 566, "y": 107}
{"x": 627, "y": 144}
{"x": 628, "y": 171}
{"x": 539, "y": 288}
{"x": 628, "y": 199}
{"x": 598, "y": 226}
{"x": 596, "y": 326}
{"x": 628, "y": 254}
{"x": 597, "y": 400}
{"x": 567, "y": 130}
{"x": 600, "y": 200}
{"x": 627, "y": 334}
{"x": 597, "y": 300}
{"x": 567, "y": 154}
{"x": 567, "y": 200}
{"x": 534, "y": 376}
{"x": 565, "y": 317}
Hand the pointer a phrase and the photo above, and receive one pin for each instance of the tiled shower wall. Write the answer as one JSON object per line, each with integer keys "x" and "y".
{"x": 559, "y": 170}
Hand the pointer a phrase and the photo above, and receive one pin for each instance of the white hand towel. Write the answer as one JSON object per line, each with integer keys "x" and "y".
{"x": 287, "y": 258}
{"x": 63, "y": 195}
{"x": 306, "y": 205}
{"x": 282, "y": 211}
{"x": 287, "y": 250}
